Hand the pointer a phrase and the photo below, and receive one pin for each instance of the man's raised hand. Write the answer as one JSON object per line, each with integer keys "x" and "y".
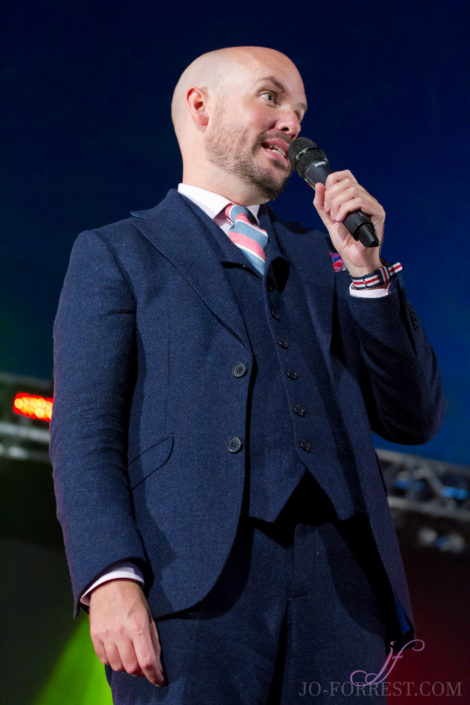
{"x": 341, "y": 195}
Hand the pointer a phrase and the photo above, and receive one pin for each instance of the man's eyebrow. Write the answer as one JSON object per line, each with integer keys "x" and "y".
{"x": 280, "y": 88}
{"x": 274, "y": 81}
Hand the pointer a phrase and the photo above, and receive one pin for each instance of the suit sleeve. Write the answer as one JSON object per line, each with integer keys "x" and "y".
{"x": 94, "y": 373}
{"x": 400, "y": 377}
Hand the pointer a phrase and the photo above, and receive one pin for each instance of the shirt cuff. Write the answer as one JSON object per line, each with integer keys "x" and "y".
{"x": 122, "y": 570}
{"x": 370, "y": 293}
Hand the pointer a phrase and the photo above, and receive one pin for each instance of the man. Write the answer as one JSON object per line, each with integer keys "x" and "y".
{"x": 223, "y": 510}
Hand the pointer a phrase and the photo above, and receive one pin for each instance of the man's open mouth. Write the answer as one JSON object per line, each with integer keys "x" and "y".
{"x": 276, "y": 148}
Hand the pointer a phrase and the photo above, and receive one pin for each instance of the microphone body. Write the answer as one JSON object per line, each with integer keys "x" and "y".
{"x": 310, "y": 162}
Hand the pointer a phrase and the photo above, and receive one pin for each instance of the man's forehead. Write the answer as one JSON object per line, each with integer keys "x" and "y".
{"x": 268, "y": 67}
{"x": 259, "y": 60}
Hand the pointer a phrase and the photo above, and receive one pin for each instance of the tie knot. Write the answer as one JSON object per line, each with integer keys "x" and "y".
{"x": 234, "y": 212}
{"x": 246, "y": 234}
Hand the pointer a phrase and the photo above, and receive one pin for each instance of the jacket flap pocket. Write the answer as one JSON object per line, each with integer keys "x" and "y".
{"x": 150, "y": 460}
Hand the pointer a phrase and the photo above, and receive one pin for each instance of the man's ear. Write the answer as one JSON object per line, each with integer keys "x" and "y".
{"x": 196, "y": 101}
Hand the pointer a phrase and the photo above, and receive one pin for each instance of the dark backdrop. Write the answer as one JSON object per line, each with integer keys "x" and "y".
{"x": 87, "y": 136}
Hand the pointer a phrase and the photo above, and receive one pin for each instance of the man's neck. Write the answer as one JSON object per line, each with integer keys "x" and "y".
{"x": 210, "y": 201}
{"x": 234, "y": 190}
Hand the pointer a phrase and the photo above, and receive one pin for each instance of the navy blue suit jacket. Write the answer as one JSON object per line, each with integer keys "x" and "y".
{"x": 146, "y": 336}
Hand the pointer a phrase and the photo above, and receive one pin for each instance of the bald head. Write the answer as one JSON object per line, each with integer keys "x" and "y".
{"x": 207, "y": 72}
{"x": 229, "y": 107}
{"x": 214, "y": 72}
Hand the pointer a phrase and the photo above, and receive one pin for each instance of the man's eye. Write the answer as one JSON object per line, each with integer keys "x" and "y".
{"x": 269, "y": 95}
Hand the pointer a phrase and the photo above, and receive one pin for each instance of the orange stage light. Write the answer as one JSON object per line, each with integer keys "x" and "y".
{"x": 33, "y": 406}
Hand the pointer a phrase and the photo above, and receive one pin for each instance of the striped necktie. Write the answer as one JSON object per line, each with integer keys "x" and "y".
{"x": 245, "y": 234}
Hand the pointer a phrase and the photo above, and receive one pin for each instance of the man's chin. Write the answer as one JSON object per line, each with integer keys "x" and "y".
{"x": 270, "y": 180}
{"x": 272, "y": 187}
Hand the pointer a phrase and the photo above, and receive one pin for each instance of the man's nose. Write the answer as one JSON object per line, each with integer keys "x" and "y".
{"x": 289, "y": 123}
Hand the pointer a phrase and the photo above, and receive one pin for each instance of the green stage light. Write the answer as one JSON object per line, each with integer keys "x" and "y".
{"x": 78, "y": 676}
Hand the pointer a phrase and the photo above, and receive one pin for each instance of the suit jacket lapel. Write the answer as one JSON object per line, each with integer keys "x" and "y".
{"x": 181, "y": 233}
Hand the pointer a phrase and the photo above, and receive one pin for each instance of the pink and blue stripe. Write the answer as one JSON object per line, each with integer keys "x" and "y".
{"x": 246, "y": 235}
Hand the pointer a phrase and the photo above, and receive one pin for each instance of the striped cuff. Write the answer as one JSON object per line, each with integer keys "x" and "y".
{"x": 378, "y": 278}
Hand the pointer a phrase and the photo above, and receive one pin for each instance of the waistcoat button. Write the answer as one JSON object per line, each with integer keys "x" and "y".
{"x": 239, "y": 369}
{"x": 299, "y": 410}
{"x": 234, "y": 444}
{"x": 306, "y": 445}
{"x": 292, "y": 374}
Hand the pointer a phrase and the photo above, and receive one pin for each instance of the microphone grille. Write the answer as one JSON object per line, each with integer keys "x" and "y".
{"x": 302, "y": 152}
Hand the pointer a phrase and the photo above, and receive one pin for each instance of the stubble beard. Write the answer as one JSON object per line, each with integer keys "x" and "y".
{"x": 227, "y": 147}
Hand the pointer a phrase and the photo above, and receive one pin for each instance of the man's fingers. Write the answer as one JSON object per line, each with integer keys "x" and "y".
{"x": 114, "y": 657}
{"x": 337, "y": 176}
{"x": 319, "y": 195}
{"x": 120, "y": 657}
{"x": 123, "y": 631}
{"x": 100, "y": 650}
{"x": 319, "y": 203}
{"x": 339, "y": 213}
{"x": 333, "y": 201}
{"x": 154, "y": 636}
{"x": 147, "y": 649}
{"x": 319, "y": 200}
{"x": 156, "y": 645}
{"x": 137, "y": 655}
{"x": 129, "y": 659}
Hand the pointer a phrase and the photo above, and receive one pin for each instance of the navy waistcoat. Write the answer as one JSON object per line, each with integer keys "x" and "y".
{"x": 288, "y": 382}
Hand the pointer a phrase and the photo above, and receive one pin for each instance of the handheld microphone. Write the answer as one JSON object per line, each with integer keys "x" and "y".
{"x": 310, "y": 162}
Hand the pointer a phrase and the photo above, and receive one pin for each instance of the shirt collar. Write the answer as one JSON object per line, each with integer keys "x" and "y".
{"x": 208, "y": 201}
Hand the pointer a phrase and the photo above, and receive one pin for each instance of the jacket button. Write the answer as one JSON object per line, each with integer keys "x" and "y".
{"x": 299, "y": 410}
{"x": 239, "y": 369}
{"x": 283, "y": 343}
{"x": 234, "y": 444}
{"x": 275, "y": 315}
{"x": 306, "y": 445}
{"x": 292, "y": 374}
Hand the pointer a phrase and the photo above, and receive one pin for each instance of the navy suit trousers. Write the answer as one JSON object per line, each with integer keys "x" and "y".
{"x": 301, "y": 603}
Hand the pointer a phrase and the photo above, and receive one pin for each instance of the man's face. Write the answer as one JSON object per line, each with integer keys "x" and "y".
{"x": 257, "y": 115}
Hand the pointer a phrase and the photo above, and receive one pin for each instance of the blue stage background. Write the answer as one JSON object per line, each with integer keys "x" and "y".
{"x": 87, "y": 137}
